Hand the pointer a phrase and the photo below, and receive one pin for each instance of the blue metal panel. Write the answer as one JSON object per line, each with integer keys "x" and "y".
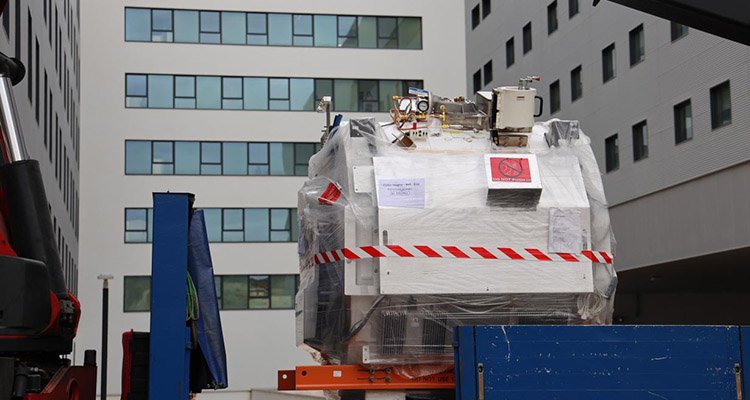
{"x": 612, "y": 362}
{"x": 463, "y": 343}
{"x": 169, "y": 364}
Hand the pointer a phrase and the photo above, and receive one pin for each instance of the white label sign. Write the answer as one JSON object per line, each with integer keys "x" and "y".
{"x": 565, "y": 231}
{"x": 408, "y": 193}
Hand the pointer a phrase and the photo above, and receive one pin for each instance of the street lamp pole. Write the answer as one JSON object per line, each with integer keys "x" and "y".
{"x": 105, "y": 328}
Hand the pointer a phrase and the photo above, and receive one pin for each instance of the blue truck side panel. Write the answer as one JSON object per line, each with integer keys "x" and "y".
{"x": 596, "y": 362}
{"x": 170, "y": 338}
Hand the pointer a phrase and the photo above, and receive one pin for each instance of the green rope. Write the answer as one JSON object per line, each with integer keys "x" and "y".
{"x": 192, "y": 300}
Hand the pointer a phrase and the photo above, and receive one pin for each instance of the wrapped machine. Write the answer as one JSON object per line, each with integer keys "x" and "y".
{"x": 455, "y": 213}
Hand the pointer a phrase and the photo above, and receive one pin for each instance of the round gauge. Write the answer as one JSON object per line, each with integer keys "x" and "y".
{"x": 423, "y": 106}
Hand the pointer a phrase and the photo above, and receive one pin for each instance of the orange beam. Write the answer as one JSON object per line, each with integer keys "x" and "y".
{"x": 355, "y": 377}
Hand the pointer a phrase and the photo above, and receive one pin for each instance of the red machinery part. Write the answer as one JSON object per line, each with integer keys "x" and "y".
{"x": 69, "y": 383}
{"x": 356, "y": 377}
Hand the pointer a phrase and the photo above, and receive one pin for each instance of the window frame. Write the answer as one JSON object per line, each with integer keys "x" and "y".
{"x": 682, "y": 132}
{"x": 486, "y": 8}
{"x": 576, "y": 85}
{"x": 552, "y": 97}
{"x": 510, "y": 44}
{"x": 714, "y": 92}
{"x": 528, "y": 44}
{"x": 487, "y": 73}
{"x": 476, "y": 80}
{"x": 573, "y": 10}
{"x": 640, "y": 150}
{"x": 476, "y": 18}
{"x": 552, "y": 17}
{"x": 612, "y": 164}
{"x": 611, "y": 51}
{"x": 677, "y": 31}
{"x": 637, "y": 54}
{"x": 125, "y": 281}
{"x": 149, "y": 225}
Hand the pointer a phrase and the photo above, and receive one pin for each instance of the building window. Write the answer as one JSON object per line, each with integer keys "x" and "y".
{"x": 637, "y": 45}
{"x": 475, "y": 18}
{"x": 612, "y": 153}
{"x": 225, "y": 225}
{"x": 138, "y": 225}
{"x": 678, "y": 31}
{"x": 275, "y": 29}
{"x": 258, "y": 93}
{"x": 609, "y": 69}
{"x": 486, "y": 8}
{"x": 573, "y": 8}
{"x": 721, "y": 105}
{"x": 477, "y": 80}
{"x": 576, "y": 84}
{"x": 137, "y": 293}
{"x": 233, "y": 292}
{"x": 487, "y": 69}
{"x": 683, "y": 122}
{"x": 640, "y": 141}
{"x": 554, "y": 95}
{"x": 527, "y": 38}
{"x": 552, "y": 17}
{"x": 510, "y": 52}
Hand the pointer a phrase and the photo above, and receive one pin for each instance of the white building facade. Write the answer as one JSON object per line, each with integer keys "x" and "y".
{"x": 666, "y": 107}
{"x": 45, "y": 36}
{"x": 218, "y": 99}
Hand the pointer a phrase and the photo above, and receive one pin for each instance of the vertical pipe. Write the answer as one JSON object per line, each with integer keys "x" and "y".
{"x": 14, "y": 149}
{"x": 105, "y": 328}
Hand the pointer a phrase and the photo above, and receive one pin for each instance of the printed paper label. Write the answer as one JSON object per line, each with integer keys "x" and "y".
{"x": 408, "y": 193}
{"x": 565, "y": 231}
{"x": 510, "y": 169}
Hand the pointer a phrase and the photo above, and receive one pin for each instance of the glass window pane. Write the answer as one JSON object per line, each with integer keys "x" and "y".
{"x": 303, "y": 152}
{"x": 160, "y": 91}
{"x": 347, "y": 31}
{"x": 136, "y": 85}
{"x": 135, "y": 219}
{"x": 325, "y": 30}
{"x": 210, "y": 152}
{"x": 161, "y": 20}
{"x": 256, "y": 23}
{"x": 137, "y": 157}
{"x": 281, "y": 236}
{"x": 213, "y": 223}
{"x": 233, "y": 219}
{"x": 323, "y": 87}
{"x": 138, "y": 24}
{"x": 233, "y": 28}
{"x": 280, "y": 219}
{"x": 258, "y": 304}
{"x": 387, "y": 33}
{"x": 232, "y": 87}
{"x": 209, "y": 92}
{"x": 295, "y": 225}
{"x": 186, "y": 26}
{"x": 258, "y": 153}
{"x": 235, "y": 158}
{"x": 282, "y": 291}
{"x": 184, "y": 86}
{"x": 368, "y": 96}
{"x": 235, "y": 291}
{"x": 302, "y": 92}
{"x": 163, "y": 152}
{"x": 256, "y": 93}
{"x": 280, "y": 29}
{"x": 209, "y": 27}
{"x": 409, "y": 33}
{"x": 150, "y": 220}
{"x": 303, "y": 24}
{"x": 259, "y": 286}
{"x": 345, "y": 95}
{"x": 282, "y": 159}
{"x": 368, "y": 32}
{"x": 256, "y": 224}
{"x": 279, "y": 88}
{"x": 137, "y": 293}
{"x": 187, "y": 158}
{"x": 388, "y": 89}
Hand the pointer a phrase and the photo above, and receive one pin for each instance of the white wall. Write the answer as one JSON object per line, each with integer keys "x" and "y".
{"x": 258, "y": 342}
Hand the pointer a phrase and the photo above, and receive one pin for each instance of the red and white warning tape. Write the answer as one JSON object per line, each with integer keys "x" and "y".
{"x": 487, "y": 253}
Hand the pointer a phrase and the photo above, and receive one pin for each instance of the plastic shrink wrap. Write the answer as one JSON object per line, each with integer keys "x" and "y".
{"x": 366, "y": 189}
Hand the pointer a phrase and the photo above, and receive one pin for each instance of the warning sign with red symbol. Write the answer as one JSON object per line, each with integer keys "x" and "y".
{"x": 510, "y": 169}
